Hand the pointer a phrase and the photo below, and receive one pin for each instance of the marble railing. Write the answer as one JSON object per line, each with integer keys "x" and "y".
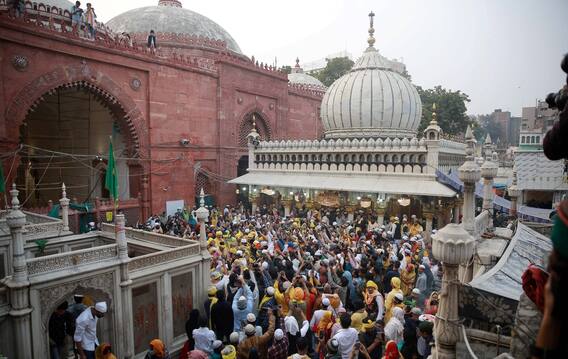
{"x": 482, "y": 222}
{"x": 156, "y": 238}
{"x": 67, "y": 260}
{"x": 415, "y": 168}
{"x": 449, "y": 146}
{"x": 36, "y": 225}
{"x": 346, "y": 145}
{"x": 154, "y": 259}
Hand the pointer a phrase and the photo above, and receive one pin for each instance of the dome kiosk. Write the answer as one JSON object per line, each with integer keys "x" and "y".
{"x": 370, "y": 157}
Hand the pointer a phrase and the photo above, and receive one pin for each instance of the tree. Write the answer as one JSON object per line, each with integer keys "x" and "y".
{"x": 287, "y": 69}
{"x": 334, "y": 69}
{"x": 450, "y": 108}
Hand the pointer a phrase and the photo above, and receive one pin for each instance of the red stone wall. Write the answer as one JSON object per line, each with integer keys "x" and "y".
{"x": 172, "y": 102}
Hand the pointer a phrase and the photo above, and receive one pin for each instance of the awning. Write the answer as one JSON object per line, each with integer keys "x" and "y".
{"x": 504, "y": 279}
{"x": 413, "y": 185}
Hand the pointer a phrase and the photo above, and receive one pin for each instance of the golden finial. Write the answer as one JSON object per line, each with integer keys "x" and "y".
{"x": 434, "y": 115}
{"x": 371, "y": 40}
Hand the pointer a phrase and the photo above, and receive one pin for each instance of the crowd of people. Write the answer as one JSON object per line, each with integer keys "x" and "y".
{"x": 311, "y": 285}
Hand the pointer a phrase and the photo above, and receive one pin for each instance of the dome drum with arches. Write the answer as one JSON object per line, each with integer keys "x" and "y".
{"x": 373, "y": 100}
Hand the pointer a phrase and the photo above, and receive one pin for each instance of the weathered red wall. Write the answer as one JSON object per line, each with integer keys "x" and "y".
{"x": 174, "y": 101}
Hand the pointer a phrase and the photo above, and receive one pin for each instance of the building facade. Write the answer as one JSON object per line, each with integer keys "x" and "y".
{"x": 178, "y": 114}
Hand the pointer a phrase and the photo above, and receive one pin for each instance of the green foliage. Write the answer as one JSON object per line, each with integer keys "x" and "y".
{"x": 489, "y": 126}
{"x": 41, "y": 243}
{"x": 287, "y": 69}
{"x": 334, "y": 69}
{"x": 450, "y": 107}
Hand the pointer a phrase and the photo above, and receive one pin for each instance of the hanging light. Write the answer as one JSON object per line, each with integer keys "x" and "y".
{"x": 404, "y": 201}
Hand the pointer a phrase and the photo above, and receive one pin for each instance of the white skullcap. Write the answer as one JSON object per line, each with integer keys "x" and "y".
{"x": 217, "y": 344}
{"x": 264, "y": 265}
{"x": 422, "y": 266}
{"x": 250, "y": 329}
{"x": 239, "y": 253}
{"x": 278, "y": 334}
{"x": 334, "y": 224}
{"x": 270, "y": 290}
{"x": 404, "y": 238}
{"x": 251, "y": 318}
{"x": 416, "y": 291}
{"x": 399, "y": 296}
{"x": 318, "y": 253}
{"x": 325, "y": 302}
{"x": 247, "y": 230}
{"x": 234, "y": 338}
{"x": 286, "y": 285}
{"x": 416, "y": 311}
{"x": 101, "y": 307}
{"x": 244, "y": 241}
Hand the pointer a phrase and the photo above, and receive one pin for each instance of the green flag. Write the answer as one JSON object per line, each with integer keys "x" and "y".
{"x": 111, "y": 179}
{"x": 2, "y": 179}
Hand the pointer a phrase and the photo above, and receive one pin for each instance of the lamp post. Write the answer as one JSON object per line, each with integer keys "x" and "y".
{"x": 452, "y": 245}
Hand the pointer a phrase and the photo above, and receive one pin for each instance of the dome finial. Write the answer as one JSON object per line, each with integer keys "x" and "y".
{"x": 253, "y": 123}
{"x": 371, "y": 40}
{"x": 172, "y": 3}
{"x": 297, "y": 62}
{"x": 434, "y": 115}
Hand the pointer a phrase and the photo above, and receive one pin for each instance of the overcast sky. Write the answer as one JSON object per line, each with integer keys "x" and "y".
{"x": 502, "y": 53}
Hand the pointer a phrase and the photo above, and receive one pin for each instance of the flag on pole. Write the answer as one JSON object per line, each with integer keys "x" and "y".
{"x": 111, "y": 179}
{"x": 2, "y": 179}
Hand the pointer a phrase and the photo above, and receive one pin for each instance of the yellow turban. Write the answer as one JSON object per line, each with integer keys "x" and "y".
{"x": 372, "y": 284}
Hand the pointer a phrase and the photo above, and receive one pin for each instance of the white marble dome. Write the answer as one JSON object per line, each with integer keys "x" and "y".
{"x": 170, "y": 17}
{"x": 298, "y": 77}
{"x": 372, "y": 100}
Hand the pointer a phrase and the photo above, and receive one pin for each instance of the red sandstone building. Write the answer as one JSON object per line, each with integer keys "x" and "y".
{"x": 179, "y": 115}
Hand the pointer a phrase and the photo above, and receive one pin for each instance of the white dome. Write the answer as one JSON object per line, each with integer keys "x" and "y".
{"x": 372, "y": 100}
{"x": 297, "y": 76}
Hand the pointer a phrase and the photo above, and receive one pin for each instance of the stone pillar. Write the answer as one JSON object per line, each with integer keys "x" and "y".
{"x": 287, "y": 207}
{"x": 470, "y": 174}
{"x": 145, "y": 199}
{"x": 452, "y": 245}
{"x": 514, "y": 193}
{"x": 202, "y": 215}
{"x": 253, "y": 142}
{"x": 18, "y": 284}
{"x": 64, "y": 202}
{"x": 428, "y": 230}
{"x": 380, "y": 216}
{"x": 125, "y": 289}
{"x": 457, "y": 211}
{"x": 489, "y": 171}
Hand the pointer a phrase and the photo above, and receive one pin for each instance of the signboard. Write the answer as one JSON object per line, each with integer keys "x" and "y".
{"x": 173, "y": 206}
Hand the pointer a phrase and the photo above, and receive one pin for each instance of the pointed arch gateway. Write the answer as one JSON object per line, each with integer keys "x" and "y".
{"x": 79, "y": 86}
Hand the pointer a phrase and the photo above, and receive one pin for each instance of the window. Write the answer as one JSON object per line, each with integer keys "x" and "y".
{"x": 523, "y": 139}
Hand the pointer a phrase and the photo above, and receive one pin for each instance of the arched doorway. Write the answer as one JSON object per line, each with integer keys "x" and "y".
{"x": 66, "y": 139}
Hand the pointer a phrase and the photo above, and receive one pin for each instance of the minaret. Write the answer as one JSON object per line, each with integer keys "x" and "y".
{"x": 18, "y": 284}
{"x": 64, "y": 203}
{"x": 514, "y": 193}
{"x": 469, "y": 173}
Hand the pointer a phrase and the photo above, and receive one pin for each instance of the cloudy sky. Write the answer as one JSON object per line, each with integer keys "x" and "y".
{"x": 502, "y": 53}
